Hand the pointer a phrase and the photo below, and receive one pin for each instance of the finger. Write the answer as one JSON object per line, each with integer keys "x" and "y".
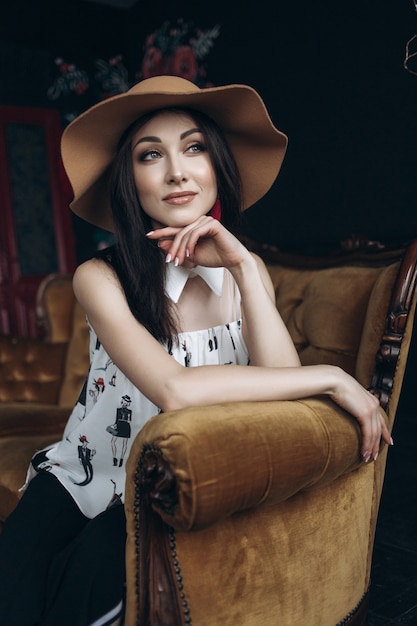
{"x": 169, "y": 240}
{"x": 378, "y": 436}
{"x": 366, "y": 449}
{"x": 164, "y": 231}
{"x": 186, "y": 242}
{"x": 177, "y": 250}
{"x": 377, "y": 425}
{"x": 164, "y": 244}
{"x": 206, "y": 230}
{"x": 371, "y": 438}
{"x": 381, "y": 432}
{"x": 386, "y": 435}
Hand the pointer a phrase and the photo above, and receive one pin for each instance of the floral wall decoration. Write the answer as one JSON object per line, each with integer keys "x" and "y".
{"x": 178, "y": 49}
{"x": 109, "y": 79}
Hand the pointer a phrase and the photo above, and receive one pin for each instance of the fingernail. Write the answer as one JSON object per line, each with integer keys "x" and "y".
{"x": 391, "y": 441}
{"x": 176, "y": 262}
{"x": 376, "y": 456}
{"x": 168, "y": 258}
{"x": 187, "y": 253}
{"x": 150, "y": 233}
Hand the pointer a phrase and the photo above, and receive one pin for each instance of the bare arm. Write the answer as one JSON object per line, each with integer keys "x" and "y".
{"x": 172, "y": 386}
{"x": 266, "y": 336}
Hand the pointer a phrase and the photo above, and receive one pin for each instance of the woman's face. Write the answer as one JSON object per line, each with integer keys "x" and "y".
{"x": 173, "y": 173}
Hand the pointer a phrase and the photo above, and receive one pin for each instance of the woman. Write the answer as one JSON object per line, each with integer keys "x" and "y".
{"x": 168, "y": 168}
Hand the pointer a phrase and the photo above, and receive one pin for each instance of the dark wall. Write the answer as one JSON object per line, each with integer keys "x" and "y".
{"x": 33, "y": 34}
{"x": 332, "y": 76}
{"x": 330, "y": 73}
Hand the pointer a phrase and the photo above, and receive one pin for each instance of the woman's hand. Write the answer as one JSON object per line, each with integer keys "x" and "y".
{"x": 365, "y": 407}
{"x": 204, "y": 242}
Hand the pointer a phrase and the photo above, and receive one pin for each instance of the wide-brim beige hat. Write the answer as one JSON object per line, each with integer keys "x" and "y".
{"x": 89, "y": 143}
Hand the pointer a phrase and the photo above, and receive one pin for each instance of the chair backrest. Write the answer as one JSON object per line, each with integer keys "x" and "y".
{"x": 63, "y": 321}
{"x": 54, "y": 307}
{"x": 326, "y": 309}
{"x": 352, "y": 310}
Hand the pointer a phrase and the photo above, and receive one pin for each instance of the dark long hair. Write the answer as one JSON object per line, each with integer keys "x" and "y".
{"x": 139, "y": 263}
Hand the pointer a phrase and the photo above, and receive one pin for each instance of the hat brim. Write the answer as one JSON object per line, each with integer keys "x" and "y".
{"x": 89, "y": 143}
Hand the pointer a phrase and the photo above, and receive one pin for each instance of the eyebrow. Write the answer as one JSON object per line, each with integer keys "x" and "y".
{"x": 158, "y": 139}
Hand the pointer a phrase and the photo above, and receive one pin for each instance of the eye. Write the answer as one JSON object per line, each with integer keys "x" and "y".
{"x": 196, "y": 148}
{"x": 149, "y": 155}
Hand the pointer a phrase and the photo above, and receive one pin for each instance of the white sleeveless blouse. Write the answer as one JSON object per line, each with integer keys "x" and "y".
{"x": 110, "y": 411}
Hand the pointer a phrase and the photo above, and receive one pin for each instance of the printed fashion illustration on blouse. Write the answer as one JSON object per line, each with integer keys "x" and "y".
{"x": 85, "y": 454}
{"x": 121, "y": 430}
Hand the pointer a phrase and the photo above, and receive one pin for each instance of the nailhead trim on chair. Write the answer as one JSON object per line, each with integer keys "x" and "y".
{"x": 177, "y": 569}
{"x": 139, "y": 485}
{"x": 136, "y": 509}
{"x": 348, "y": 618}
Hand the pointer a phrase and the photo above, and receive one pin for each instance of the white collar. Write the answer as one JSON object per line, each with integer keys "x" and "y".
{"x": 176, "y": 278}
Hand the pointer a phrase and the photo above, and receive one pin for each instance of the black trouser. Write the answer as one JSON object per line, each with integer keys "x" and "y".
{"x": 57, "y": 567}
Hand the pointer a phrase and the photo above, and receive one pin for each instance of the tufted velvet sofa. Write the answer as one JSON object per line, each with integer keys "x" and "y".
{"x": 39, "y": 383}
{"x": 254, "y": 514}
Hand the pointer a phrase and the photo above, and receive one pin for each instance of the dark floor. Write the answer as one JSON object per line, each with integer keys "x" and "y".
{"x": 394, "y": 570}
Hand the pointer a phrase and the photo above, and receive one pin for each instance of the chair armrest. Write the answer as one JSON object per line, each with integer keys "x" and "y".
{"x": 200, "y": 465}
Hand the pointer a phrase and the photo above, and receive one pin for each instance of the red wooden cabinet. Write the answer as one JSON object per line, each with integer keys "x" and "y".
{"x": 36, "y": 236}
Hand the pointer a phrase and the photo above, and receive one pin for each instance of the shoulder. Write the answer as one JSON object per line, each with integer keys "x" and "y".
{"x": 95, "y": 280}
{"x": 100, "y": 266}
{"x": 93, "y": 267}
{"x": 92, "y": 271}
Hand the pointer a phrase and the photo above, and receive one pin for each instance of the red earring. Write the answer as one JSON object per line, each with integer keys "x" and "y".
{"x": 216, "y": 211}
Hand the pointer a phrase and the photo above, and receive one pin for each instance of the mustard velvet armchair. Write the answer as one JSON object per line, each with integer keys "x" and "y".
{"x": 249, "y": 514}
{"x": 262, "y": 514}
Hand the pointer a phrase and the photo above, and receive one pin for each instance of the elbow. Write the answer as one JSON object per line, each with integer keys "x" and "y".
{"x": 173, "y": 398}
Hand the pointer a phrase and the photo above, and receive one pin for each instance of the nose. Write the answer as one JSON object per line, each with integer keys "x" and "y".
{"x": 176, "y": 173}
{"x": 176, "y": 177}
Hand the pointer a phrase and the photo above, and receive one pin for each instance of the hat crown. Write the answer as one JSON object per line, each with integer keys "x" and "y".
{"x": 164, "y": 84}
